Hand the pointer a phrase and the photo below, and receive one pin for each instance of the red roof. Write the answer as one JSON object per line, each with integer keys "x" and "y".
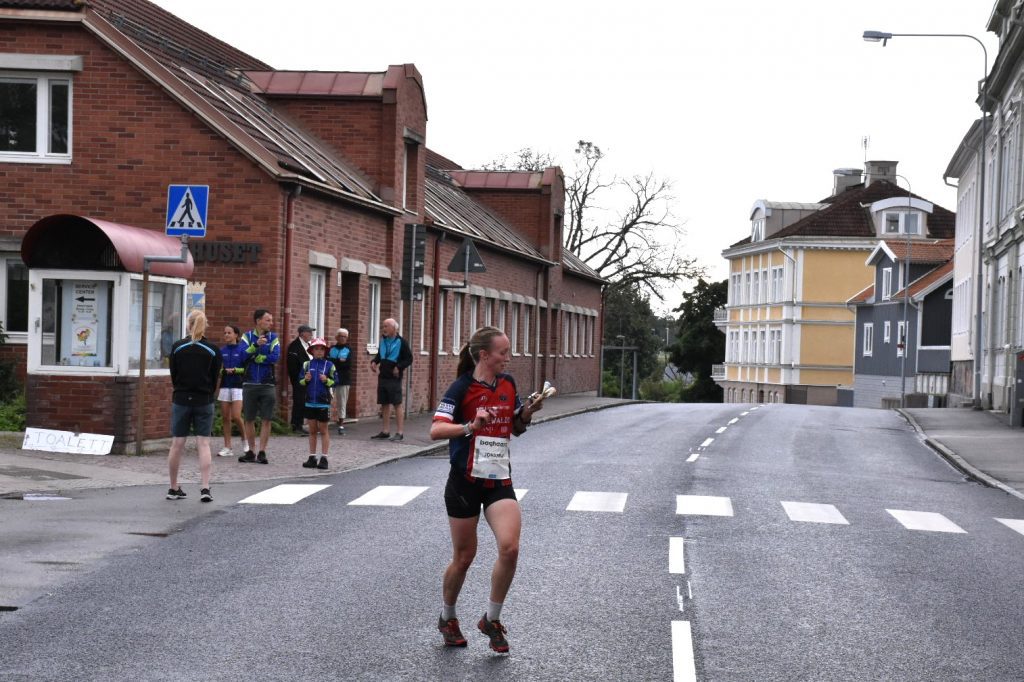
{"x": 480, "y": 179}
{"x": 926, "y": 281}
{"x": 441, "y": 162}
{"x": 863, "y": 296}
{"x": 318, "y": 83}
{"x": 922, "y": 252}
{"x": 44, "y": 4}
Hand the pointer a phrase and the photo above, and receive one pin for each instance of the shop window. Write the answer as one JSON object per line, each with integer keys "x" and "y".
{"x": 163, "y": 321}
{"x": 14, "y": 296}
{"x": 35, "y": 118}
{"x": 76, "y": 323}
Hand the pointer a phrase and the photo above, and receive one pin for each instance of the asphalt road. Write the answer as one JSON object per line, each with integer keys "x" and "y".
{"x": 324, "y": 589}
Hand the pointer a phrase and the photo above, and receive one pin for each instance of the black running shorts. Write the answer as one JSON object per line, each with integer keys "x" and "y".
{"x": 389, "y": 391}
{"x": 317, "y": 414}
{"x": 463, "y": 498}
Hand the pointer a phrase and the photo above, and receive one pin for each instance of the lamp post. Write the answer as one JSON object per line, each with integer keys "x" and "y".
{"x": 901, "y": 342}
{"x": 883, "y": 37}
{"x": 622, "y": 363}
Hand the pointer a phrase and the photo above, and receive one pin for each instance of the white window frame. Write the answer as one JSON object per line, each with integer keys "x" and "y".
{"x": 887, "y": 332}
{"x": 867, "y": 349}
{"x": 755, "y": 294}
{"x": 423, "y": 322}
{"x": 13, "y": 337}
{"x": 502, "y": 315}
{"x": 527, "y": 314}
{"x": 902, "y": 223}
{"x": 513, "y": 334}
{"x": 886, "y": 284}
{"x": 901, "y": 338}
{"x": 318, "y": 299}
{"x": 442, "y": 294}
{"x": 474, "y": 303}
{"x": 764, "y": 286}
{"x": 43, "y": 81}
{"x": 374, "y": 287}
{"x": 565, "y": 334}
{"x": 457, "y": 323}
{"x": 488, "y": 312}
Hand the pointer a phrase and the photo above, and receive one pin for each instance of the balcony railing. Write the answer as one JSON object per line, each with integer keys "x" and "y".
{"x": 721, "y": 316}
{"x": 717, "y": 372}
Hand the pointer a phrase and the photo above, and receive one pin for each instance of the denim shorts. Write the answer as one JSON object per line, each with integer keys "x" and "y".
{"x": 191, "y": 419}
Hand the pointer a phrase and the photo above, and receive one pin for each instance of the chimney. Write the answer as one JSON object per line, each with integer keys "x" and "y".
{"x": 880, "y": 170}
{"x": 844, "y": 179}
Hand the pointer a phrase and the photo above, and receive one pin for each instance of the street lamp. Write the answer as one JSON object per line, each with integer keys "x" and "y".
{"x": 901, "y": 342}
{"x": 622, "y": 362}
{"x": 883, "y": 37}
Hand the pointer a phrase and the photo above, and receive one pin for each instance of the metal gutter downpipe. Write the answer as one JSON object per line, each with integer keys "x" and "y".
{"x": 286, "y": 289}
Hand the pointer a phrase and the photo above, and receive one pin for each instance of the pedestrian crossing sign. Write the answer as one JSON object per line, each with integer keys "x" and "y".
{"x": 186, "y": 210}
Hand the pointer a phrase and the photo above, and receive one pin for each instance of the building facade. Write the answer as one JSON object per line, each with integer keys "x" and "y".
{"x": 313, "y": 178}
{"x": 789, "y": 331}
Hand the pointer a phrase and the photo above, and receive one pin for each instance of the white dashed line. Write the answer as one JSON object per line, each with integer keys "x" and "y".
{"x": 1015, "y": 524}
{"x": 676, "y": 562}
{"x": 707, "y": 442}
{"x": 693, "y": 457}
{"x": 598, "y": 502}
{"x": 287, "y": 493}
{"x": 814, "y": 513}
{"x": 703, "y": 505}
{"x": 389, "y": 496}
{"x": 683, "y": 669}
{"x": 744, "y": 414}
{"x": 733, "y": 420}
{"x": 918, "y": 520}
{"x": 722, "y": 430}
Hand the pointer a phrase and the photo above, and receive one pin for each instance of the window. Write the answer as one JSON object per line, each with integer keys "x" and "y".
{"x": 887, "y": 332}
{"x": 14, "y": 297}
{"x": 745, "y": 348}
{"x": 163, "y": 321}
{"x": 373, "y": 316}
{"x": 423, "y": 323}
{"x": 762, "y": 348}
{"x": 886, "y": 283}
{"x": 527, "y": 314}
{"x": 489, "y": 312}
{"x": 746, "y": 290}
{"x": 474, "y": 303}
{"x": 35, "y": 118}
{"x": 869, "y": 339}
{"x": 317, "y": 299}
{"x": 892, "y": 223}
{"x": 574, "y": 321}
{"x": 901, "y": 339}
{"x": 776, "y": 285}
{"x": 910, "y": 223}
{"x": 753, "y": 290}
{"x": 590, "y": 336}
{"x": 565, "y": 334}
{"x": 440, "y": 321}
{"x": 514, "y": 329}
{"x": 902, "y": 223}
{"x": 502, "y": 317}
{"x": 764, "y": 286}
{"x": 457, "y": 323}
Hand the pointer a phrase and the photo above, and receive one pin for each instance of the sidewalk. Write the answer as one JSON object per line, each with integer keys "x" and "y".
{"x": 977, "y": 442}
{"x": 31, "y": 471}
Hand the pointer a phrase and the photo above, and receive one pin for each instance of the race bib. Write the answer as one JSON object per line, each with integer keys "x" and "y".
{"x": 491, "y": 458}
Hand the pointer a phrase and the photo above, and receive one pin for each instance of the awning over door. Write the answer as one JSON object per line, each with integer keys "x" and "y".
{"x": 80, "y": 243}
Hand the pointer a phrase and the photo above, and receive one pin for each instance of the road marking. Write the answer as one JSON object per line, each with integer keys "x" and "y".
{"x": 744, "y": 414}
{"x": 693, "y": 457}
{"x": 733, "y": 420}
{"x": 918, "y": 520}
{"x": 1014, "y": 524}
{"x": 676, "y": 562}
{"x": 683, "y": 668}
{"x": 520, "y": 492}
{"x": 814, "y": 513}
{"x": 722, "y": 430}
{"x": 389, "y": 495}
{"x": 679, "y": 599}
{"x": 599, "y": 502}
{"x": 754, "y": 408}
{"x": 707, "y": 442}
{"x": 703, "y": 505}
{"x": 286, "y": 493}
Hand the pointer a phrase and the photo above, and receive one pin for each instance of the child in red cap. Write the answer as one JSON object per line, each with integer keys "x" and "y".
{"x": 318, "y": 376}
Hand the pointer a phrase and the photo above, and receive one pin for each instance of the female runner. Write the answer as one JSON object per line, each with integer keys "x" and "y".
{"x": 478, "y": 414}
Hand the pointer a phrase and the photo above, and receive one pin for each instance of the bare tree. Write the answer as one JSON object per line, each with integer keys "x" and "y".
{"x": 524, "y": 159}
{"x": 640, "y": 243}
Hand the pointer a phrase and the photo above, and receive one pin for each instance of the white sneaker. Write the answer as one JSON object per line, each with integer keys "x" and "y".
{"x": 226, "y": 452}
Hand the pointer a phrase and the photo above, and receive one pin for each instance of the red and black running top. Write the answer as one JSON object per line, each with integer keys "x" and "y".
{"x": 459, "y": 406}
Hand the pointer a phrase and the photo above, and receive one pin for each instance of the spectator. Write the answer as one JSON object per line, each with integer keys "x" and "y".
{"x": 341, "y": 355}
{"x": 392, "y": 358}
{"x": 298, "y": 355}
{"x": 317, "y": 378}
{"x": 233, "y": 359}
{"x": 259, "y": 398}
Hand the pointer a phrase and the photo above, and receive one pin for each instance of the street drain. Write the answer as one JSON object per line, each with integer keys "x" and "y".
{"x": 8, "y": 608}
{"x": 148, "y": 535}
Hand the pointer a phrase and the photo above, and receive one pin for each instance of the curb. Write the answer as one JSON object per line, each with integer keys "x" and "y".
{"x": 958, "y": 462}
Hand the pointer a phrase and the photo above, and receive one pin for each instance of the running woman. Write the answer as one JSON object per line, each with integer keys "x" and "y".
{"x": 316, "y": 379}
{"x": 233, "y": 357}
{"x": 478, "y": 414}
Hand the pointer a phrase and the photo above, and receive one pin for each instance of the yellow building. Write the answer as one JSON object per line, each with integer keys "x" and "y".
{"x": 789, "y": 332}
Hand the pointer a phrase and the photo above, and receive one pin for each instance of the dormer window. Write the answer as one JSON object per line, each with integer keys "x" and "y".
{"x": 757, "y": 233}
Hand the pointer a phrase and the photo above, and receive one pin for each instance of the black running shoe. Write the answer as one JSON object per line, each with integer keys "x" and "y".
{"x": 496, "y": 632}
{"x": 205, "y": 496}
{"x": 323, "y": 463}
{"x": 383, "y": 435}
{"x": 451, "y": 632}
{"x": 309, "y": 463}
{"x": 173, "y": 494}
{"x": 262, "y": 458}
{"x": 248, "y": 456}
{"x": 341, "y": 430}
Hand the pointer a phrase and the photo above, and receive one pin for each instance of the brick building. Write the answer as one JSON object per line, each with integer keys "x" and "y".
{"x": 312, "y": 176}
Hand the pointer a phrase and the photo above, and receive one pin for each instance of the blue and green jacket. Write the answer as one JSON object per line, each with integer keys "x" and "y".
{"x": 233, "y": 358}
{"x": 318, "y": 392}
{"x": 260, "y": 361}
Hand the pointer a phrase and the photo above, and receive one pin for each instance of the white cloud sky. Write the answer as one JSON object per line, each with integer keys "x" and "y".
{"x": 733, "y": 101}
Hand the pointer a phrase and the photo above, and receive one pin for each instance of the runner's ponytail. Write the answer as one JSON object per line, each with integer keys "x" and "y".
{"x": 196, "y": 324}
{"x": 470, "y": 353}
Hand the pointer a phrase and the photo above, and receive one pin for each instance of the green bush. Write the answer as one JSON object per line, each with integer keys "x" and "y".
{"x": 662, "y": 391}
{"x": 12, "y": 414}
{"x": 278, "y": 427}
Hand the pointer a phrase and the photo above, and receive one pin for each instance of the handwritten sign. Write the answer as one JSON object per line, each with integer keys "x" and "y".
{"x": 49, "y": 440}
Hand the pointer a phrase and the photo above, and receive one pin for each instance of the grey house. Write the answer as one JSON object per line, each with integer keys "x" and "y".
{"x": 905, "y": 332}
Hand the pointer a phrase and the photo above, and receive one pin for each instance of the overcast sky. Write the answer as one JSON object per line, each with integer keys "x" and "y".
{"x": 733, "y": 101}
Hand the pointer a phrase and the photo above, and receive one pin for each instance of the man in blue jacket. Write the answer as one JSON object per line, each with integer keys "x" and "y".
{"x": 259, "y": 387}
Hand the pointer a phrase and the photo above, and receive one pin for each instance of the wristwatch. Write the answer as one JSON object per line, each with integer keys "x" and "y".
{"x": 468, "y": 429}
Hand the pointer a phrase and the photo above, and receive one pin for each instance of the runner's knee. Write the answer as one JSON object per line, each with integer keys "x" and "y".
{"x": 509, "y": 552}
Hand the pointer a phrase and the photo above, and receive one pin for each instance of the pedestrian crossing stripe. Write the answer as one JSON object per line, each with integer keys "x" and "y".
{"x": 1014, "y": 524}
{"x": 930, "y": 521}
{"x": 598, "y": 502}
{"x": 389, "y": 496}
{"x": 287, "y": 493}
{"x": 703, "y": 505}
{"x": 814, "y": 513}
